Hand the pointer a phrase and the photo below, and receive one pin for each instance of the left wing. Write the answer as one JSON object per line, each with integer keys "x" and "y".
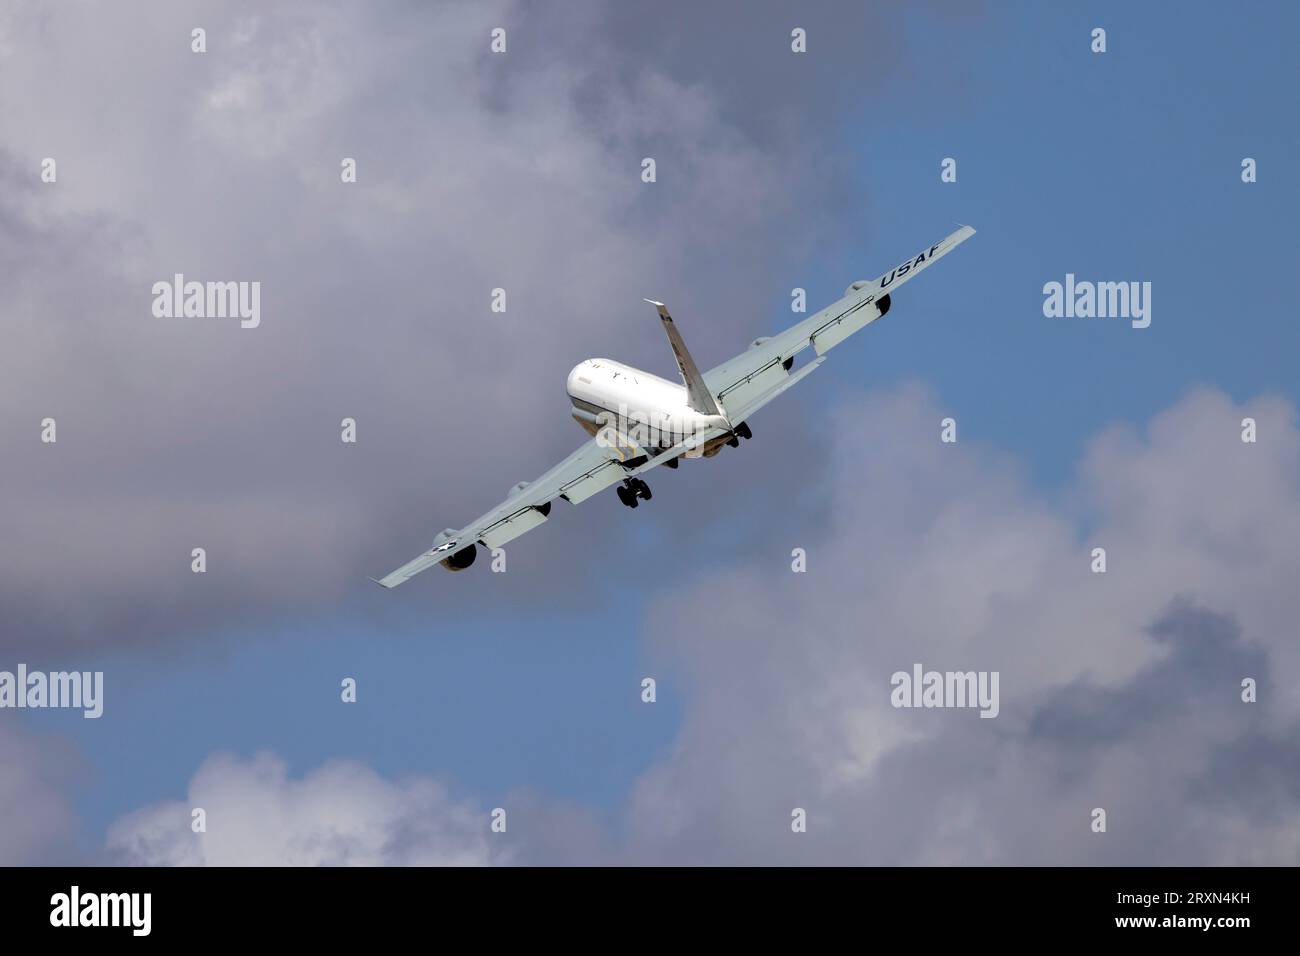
{"x": 591, "y": 468}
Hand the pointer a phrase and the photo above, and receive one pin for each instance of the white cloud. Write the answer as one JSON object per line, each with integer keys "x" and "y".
{"x": 341, "y": 814}
{"x": 1118, "y": 690}
{"x": 522, "y": 171}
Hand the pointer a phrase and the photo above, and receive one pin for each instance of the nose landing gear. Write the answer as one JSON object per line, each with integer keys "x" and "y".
{"x": 631, "y": 490}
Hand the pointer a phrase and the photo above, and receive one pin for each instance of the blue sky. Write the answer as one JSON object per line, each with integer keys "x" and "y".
{"x": 1121, "y": 166}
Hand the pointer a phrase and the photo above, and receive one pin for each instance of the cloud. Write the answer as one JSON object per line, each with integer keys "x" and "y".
{"x": 39, "y": 774}
{"x": 1120, "y": 691}
{"x": 345, "y": 814}
{"x": 340, "y": 814}
{"x": 475, "y": 171}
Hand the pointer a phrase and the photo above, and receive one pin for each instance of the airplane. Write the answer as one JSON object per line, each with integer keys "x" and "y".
{"x": 639, "y": 421}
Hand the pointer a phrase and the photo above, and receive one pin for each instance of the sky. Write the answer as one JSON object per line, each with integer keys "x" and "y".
{"x": 523, "y": 691}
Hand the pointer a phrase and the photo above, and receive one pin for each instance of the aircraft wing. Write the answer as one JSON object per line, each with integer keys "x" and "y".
{"x": 591, "y": 468}
{"x": 743, "y": 383}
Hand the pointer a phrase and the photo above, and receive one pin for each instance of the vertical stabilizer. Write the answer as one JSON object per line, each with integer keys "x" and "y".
{"x": 698, "y": 395}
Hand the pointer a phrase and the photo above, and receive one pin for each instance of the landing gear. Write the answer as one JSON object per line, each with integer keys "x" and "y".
{"x": 739, "y": 432}
{"x": 631, "y": 490}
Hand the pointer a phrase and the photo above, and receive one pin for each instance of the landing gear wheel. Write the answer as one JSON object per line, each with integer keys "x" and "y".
{"x": 743, "y": 431}
{"x": 631, "y": 490}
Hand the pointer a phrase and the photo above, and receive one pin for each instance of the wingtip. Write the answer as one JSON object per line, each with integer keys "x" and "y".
{"x": 379, "y": 582}
{"x": 663, "y": 309}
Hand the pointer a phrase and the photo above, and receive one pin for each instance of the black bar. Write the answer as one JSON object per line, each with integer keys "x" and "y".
{"x": 437, "y": 906}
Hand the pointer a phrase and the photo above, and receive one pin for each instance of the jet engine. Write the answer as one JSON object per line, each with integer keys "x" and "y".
{"x": 457, "y": 560}
{"x": 544, "y": 509}
{"x": 461, "y": 559}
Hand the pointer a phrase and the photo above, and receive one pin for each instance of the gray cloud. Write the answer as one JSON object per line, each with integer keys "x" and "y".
{"x": 1120, "y": 691}
{"x": 40, "y": 771}
{"x": 475, "y": 171}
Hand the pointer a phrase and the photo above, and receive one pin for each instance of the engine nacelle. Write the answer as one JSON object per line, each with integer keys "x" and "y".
{"x": 544, "y": 508}
{"x": 461, "y": 559}
{"x": 457, "y": 560}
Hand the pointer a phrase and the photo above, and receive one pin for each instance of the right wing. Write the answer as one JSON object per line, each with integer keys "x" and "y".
{"x": 743, "y": 383}
{"x": 591, "y": 468}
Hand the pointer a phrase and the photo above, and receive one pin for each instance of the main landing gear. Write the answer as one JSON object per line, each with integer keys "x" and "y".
{"x": 741, "y": 431}
{"x": 631, "y": 489}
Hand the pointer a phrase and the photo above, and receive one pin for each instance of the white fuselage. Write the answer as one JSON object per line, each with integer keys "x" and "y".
{"x": 651, "y": 411}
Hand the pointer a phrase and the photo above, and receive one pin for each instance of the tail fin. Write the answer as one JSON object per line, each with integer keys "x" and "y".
{"x": 698, "y": 395}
